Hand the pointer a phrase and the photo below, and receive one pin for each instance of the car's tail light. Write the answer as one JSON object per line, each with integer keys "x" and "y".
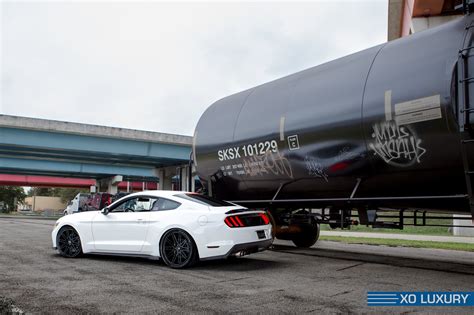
{"x": 244, "y": 220}
{"x": 265, "y": 218}
{"x": 233, "y": 221}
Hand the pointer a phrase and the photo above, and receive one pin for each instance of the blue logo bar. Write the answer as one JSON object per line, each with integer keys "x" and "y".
{"x": 420, "y": 298}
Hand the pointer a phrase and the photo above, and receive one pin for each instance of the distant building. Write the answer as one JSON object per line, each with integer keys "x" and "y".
{"x": 43, "y": 204}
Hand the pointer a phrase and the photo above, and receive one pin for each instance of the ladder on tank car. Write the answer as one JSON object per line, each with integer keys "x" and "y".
{"x": 466, "y": 111}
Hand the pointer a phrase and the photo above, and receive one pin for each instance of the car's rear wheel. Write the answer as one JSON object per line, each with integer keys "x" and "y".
{"x": 177, "y": 249}
{"x": 69, "y": 242}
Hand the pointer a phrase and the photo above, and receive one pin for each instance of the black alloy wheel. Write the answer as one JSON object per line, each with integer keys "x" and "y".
{"x": 69, "y": 242}
{"x": 177, "y": 249}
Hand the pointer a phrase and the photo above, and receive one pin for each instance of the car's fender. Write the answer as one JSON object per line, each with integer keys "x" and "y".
{"x": 82, "y": 223}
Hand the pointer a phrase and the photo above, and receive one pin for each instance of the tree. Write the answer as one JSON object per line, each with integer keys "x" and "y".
{"x": 67, "y": 194}
{"x": 10, "y": 197}
{"x": 40, "y": 191}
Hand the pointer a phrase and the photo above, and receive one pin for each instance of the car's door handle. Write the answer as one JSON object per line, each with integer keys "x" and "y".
{"x": 140, "y": 220}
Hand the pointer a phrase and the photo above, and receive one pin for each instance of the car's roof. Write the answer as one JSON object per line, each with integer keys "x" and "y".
{"x": 155, "y": 193}
{"x": 171, "y": 194}
{"x": 159, "y": 193}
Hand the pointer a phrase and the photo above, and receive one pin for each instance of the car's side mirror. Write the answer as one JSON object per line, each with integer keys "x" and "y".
{"x": 105, "y": 211}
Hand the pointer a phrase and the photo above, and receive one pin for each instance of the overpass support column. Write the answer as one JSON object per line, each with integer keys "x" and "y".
{"x": 165, "y": 175}
{"x": 185, "y": 179}
{"x": 110, "y": 184}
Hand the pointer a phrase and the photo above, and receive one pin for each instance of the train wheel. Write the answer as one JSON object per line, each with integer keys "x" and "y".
{"x": 308, "y": 236}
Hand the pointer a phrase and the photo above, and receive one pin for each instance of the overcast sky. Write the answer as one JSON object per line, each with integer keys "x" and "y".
{"x": 156, "y": 65}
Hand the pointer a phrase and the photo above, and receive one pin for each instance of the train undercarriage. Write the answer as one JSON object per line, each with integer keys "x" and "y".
{"x": 302, "y": 226}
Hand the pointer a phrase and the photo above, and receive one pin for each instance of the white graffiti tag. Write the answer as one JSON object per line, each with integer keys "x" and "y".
{"x": 315, "y": 168}
{"x": 345, "y": 154}
{"x": 269, "y": 163}
{"x": 396, "y": 145}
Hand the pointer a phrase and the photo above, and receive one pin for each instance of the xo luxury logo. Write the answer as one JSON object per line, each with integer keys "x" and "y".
{"x": 420, "y": 298}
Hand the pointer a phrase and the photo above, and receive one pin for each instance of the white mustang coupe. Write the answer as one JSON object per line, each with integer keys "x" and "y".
{"x": 179, "y": 227}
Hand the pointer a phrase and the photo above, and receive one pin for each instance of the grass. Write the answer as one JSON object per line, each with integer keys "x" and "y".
{"x": 407, "y": 229}
{"x": 399, "y": 243}
{"x": 422, "y": 230}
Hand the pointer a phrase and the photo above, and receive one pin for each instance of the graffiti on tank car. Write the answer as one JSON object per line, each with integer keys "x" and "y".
{"x": 396, "y": 145}
{"x": 254, "y": 166}
{"x": 345, "y": 154}
{"x": 278, "y": 164}
{"x": 268, "y": 163}
{"x": 315, "y": 168}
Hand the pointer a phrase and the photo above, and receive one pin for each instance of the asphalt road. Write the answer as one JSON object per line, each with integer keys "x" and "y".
{"x": 330, "y": 278}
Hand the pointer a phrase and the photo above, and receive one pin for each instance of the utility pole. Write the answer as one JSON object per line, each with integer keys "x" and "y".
{"x": 34, "y": 198}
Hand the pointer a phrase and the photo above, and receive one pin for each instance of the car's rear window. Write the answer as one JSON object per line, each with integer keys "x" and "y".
{"x": 205, "y": 200}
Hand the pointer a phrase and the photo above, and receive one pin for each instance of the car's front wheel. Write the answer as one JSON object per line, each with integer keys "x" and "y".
{"x": 69, "y": 242}
{"x": 177, "y": 249}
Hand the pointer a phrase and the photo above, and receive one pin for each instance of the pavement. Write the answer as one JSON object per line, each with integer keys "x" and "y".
{"x": 330, "y": 278}
{"x": 412, "y": 237}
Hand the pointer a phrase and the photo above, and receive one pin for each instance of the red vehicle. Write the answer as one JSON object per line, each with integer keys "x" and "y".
{"x": 98, "y": 201}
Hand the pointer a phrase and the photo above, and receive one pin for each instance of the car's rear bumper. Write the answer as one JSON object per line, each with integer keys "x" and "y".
{"x": 244, "y": 249}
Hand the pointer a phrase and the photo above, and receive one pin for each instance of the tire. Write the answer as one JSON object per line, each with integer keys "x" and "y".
{"x": 308, "y": 236}
{"x": 68, "y": 242}
{"x": 178, "y": 250}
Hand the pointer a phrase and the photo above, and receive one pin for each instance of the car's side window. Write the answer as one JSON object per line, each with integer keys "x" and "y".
{"x": 165, "y": 204}
{"x": 136, "y": 204}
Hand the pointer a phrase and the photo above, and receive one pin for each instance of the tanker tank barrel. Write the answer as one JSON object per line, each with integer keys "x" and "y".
{"x": 387, "y": 127}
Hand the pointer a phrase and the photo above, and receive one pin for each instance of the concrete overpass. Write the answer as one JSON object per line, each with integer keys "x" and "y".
{"x": 406, "y": 17}
{"x": 30, "y": 146}
{"x": 67, "y": 182}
